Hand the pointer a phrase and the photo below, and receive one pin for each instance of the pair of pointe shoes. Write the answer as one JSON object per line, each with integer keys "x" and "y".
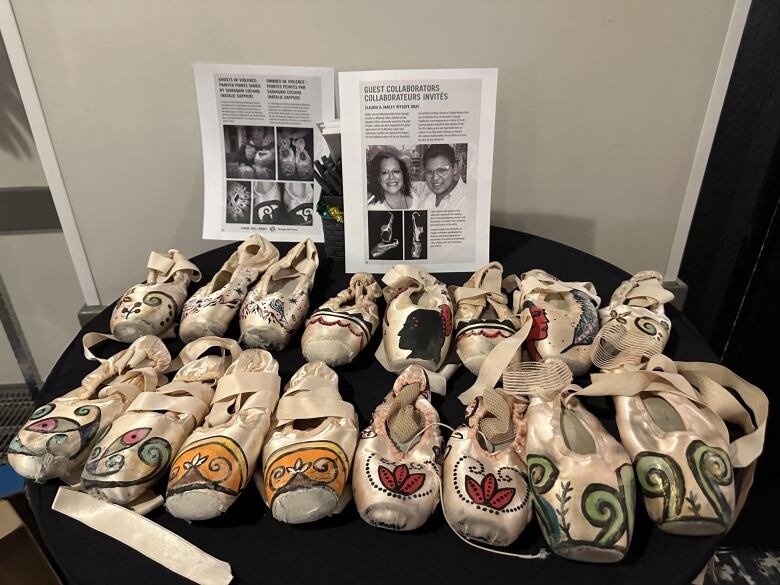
{"x": 271, "y": 309}
{"x": 582, "y": 481}
{"x": 119, "y": 432}
{"x": 488, "y": 307}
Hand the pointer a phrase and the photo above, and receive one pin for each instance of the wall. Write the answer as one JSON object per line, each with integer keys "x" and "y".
{"x": 35, "y": 266}
{"x": 599, "y": 108}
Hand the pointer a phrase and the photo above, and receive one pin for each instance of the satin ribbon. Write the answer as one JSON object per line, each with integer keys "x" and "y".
{"x": 163, "y": 267}
{"x": 141, "y": 534}
{"x": 313, "y": 397}
{"x": 498, "y": 359}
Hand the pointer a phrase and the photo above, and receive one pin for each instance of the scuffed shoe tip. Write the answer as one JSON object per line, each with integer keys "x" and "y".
{"x": 198, "y": 504}
{"x": 331, "y": 351}
{"x": 304, "y": 505}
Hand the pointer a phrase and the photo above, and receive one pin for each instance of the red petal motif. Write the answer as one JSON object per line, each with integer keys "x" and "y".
{"x": 386, "y": 477}
{"x": 412, "y": 484}
{"x": 488, "y": 485}
{"x": 400, "y": 473}
{"x": 474, "y": 490}
{"x": 501, "y": 498}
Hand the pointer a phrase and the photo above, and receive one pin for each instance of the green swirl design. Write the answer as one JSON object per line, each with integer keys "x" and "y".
{"x": 712, "y": 470}
{"x": 42, "y": 411}
{"x": 627, "y": 483}
{"x": 543, "y": 473}
{"x": 660, "y": 477}
{"x": 603, "y": 507}
{"x": 155, "y": 452}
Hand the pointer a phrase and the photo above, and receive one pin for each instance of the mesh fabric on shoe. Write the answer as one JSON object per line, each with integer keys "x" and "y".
{"x": 403, "y": 420}
{"x": 496, "y": 424}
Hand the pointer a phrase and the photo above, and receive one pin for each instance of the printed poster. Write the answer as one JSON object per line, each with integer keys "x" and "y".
{"x": 417, "y": 152}
{"x": 259, "y": 147}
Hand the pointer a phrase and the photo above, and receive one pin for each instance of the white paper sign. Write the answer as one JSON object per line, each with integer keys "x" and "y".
{"x": 259, "y": 145}
{"x": 417, "y": 152}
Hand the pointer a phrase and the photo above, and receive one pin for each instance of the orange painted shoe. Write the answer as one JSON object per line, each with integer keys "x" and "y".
{"x": 308, "y": 453}
{"x": 217, "y": 460}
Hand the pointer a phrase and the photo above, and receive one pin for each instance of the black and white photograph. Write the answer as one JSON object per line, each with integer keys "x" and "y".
{"x": 238, "y": 203}
{"x": 250, "y": 152}
{"x": 385, "y": 235}
{"x": 416, "y": 234}
{"x": 422, "y": 176}
{"x": 282, "y": 203}
{"x": 296, "y": 154}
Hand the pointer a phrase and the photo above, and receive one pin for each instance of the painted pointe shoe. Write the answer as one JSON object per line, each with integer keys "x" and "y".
{"x": 218, "y": 459}
{"x": 396, "y": 479}
{"x": 277, "y": 305}
{"x": 565, "y": 317}
{"x": 211, "y": 309}
{"x": 417, "y": 328}
{"x": 483, "y": 317}
{"x": 308, "y": 454}
{"x": 582, "y": 481}
{"x": 485, "y": 488}
{"x": 151, "y": 308}
{"x": 634, "y": 327}
{"x": 679, "y": 443}
{"x": 337, "y": 331}
{"x": 134, "y": 453}
{"x": 56, "y": 439}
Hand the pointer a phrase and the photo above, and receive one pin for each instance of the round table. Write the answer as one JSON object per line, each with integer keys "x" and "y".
{"x": 343, "y": 548}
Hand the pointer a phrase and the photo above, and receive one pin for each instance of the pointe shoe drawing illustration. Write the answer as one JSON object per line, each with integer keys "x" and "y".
{"x": 417, "y": 232}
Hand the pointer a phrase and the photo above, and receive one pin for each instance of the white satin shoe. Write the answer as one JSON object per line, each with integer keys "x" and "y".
{"x": 564, "y": 315}
{"x": 482, "y": 317}
{"x": 57, "y": 438}
{"x": 211, "y": 309}
{"x": 671, "y": 420}
{"x": 308, "y": 454}
{"x": 151, "y": 308}
{"x": 582, "y": 481}
{"x": 486, "y": 497}
{"x": 417, "y": 328}
{"x": 276, "y": 306}
{"x": 396, "y": 478}
{"x": 634, "y": 327}
{"x": 342, "y": 326}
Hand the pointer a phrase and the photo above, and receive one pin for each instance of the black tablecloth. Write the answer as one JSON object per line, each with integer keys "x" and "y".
{"x": 344, "y": 549}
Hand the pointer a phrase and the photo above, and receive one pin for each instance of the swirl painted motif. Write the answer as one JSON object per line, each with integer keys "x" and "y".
{"x": 313, "y": 464}
{"x": 58, "y": 436}
{"x": 660, "y": 477}
{"x": 602, "y": 506}
{"x": 122, "y": 456}
{"x": 712, "y": 470}
{"x": 215, "y": 463}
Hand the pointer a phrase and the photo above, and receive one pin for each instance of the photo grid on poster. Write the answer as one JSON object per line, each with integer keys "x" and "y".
{"x": 259, "y": 147}
{"x": 275, "y": 165}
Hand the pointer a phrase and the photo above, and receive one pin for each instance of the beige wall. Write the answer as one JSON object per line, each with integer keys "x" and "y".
{"x": 35, "y": 267}
{"x": 19, "y": 164}
{"x": 599, "y": 108}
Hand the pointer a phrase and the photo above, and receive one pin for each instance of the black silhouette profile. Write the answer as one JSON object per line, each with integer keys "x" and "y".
{"x": 423, "y": 335}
